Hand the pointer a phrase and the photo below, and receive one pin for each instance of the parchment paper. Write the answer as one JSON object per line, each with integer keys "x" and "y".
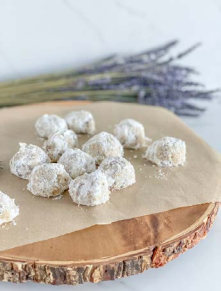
{"x": 199, "y": 181}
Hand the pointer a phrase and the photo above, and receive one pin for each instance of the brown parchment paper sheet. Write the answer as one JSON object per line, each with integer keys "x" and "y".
{"x": 199, "y": 181}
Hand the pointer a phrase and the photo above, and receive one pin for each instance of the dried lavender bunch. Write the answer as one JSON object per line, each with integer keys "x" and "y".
{"x": 150, "y": 77}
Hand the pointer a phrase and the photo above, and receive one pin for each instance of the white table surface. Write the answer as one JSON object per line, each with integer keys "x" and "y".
{"x": 38, "y": 36}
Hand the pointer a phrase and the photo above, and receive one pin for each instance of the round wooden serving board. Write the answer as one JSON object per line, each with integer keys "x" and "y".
{"x": 108, "y": 252}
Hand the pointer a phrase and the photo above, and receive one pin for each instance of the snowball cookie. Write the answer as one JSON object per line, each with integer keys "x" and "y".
{"x": 77, "y": 162}
{"x": 49, "y": 124}
{"x": 90, "y": 189}
{"x": 103, "y": 145}
{"x": 131, "y": 134}
{"x": 167, "y": 152}
{"x": 59, "y": 142}
{"x": 48, "y": 180}
{"x": 8, "y": 209}
{"x": 24, "y": 161}
{"x": 119, "y": 171}
{"x": 81, "y": 121}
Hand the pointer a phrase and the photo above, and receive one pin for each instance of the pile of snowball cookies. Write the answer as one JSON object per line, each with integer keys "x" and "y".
{"x": 92, "y": 172}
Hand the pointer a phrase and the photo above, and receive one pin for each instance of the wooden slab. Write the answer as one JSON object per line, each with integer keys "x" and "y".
{"x": 107, "y": 252}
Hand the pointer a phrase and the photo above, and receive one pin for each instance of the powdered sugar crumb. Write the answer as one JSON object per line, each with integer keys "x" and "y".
{"x": 57, "y": 197}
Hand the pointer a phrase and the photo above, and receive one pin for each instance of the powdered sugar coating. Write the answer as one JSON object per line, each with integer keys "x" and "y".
{"x": 77, "y": 162}
{"x": 167, "y": 152}
{"x": 59, "y": 142}
{"x": 103, "y": 145}
{"x": 131, "y": 134}
{"x": 48, "y": 124}
{"x": 8, "y": 209}
{"x": 81, "y": 121}
{"x": 90, "y": 189}
{"x": 48, "y": 180}
{"x": 24, "y": 161}
{"x": 119, "y": 171}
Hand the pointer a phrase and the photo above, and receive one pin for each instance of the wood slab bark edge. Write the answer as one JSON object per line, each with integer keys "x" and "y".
{"x": 153, "y": 257}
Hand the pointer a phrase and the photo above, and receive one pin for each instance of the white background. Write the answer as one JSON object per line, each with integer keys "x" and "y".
{"x": 43, "y": 35}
